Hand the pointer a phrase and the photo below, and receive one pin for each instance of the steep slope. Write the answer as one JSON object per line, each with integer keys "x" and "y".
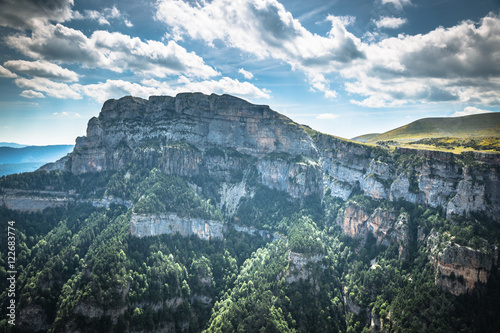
{"x": 479, "y": 125}
{"x": 225, "y": 137}
{"x": 365, "y": 137}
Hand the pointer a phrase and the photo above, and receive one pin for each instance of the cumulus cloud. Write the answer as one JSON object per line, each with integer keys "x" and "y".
{"x": 41, "y": 69}
{"x": 460, "y": 63}
{"x": 468, "y": 111}
{"x": 4, "y": 72}
{"x": 246, "y": 74}
{"x": 329, "y": 116}
{"x": 113, "y": 51}
{"x": 102, "y": 16}
{"x": 389, "y": 22}
{"x": 266, "y": 30}
{"x": 51, "y": 88}
{"x": 27, "y": 14}
{"x": 103, "y": 91}
{"x": 398, "y": 4}
{"x": 32, "y": 94}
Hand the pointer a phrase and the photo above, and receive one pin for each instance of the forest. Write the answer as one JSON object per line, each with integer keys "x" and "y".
{"x": 80, "y": 269}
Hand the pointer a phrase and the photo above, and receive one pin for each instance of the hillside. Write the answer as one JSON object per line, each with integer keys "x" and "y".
{"x": 474, "y": 126}
{"x": 365, "y": 137}
{"x": 206, "y": 213}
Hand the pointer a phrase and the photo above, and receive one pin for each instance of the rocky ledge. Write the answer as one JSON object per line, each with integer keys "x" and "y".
{"x": 461, "y": 269}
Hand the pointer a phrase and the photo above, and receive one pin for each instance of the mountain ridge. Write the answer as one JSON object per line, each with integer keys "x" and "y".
{"x": 194, "y": 134}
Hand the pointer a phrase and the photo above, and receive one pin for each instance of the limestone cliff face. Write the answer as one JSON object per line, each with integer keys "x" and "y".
{"x": 387, "y": 227}
{"x": 459, "y": 184}
{"x": 151, "y": 225}
{"x": 461, "y": 269}
{"x": 225, "y": 137}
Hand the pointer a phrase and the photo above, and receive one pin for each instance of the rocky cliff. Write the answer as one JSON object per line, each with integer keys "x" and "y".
{"x": 225, "y": 137}
{"x": 385, "y": 225}
{"x": 461, "y": 269}
{"x": 150, "y": 225}
{"x": 239, "y": 145}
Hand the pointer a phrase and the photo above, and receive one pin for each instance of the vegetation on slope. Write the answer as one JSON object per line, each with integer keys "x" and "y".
{"x": 84, "y": 270}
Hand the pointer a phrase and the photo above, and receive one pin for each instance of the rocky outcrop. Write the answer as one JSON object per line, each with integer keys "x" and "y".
{"x": 387, "y": 227}
{"x": 142, "y": 225}
{"x": 461, "y": 269}
{"x": 430, "y": 178}
{"x": 32, "y": 203}
{"x": 152, "y": 225}
{"x": 36, "y": 201}
{"x": 33, "y": 318}
{"x": 299, "y": 266}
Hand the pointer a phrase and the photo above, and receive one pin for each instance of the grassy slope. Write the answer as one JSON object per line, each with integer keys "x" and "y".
{"x": 480, "y": 125}
{"x": 365, "y": 137}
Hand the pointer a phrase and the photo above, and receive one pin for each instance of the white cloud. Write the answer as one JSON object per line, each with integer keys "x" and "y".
{"x": 41, "y": 69}
{"x": 469, "y": 110}
{"x": 32, "y": 94}
{"x": 266, "y": 30}
{"x": 456, "y": 64}
{"x": 389, "y": 22}
{"x": 4, "y": 72}
{"x": 128, "y": 23}
{"x": 102, "y": 16}
{"x": 398, "y": 4}
{"x": 329, "y": 116}
{"x": 117, "y": 88}
{"x": 246, "y": 74}
{"x": 113, "y": 51}
{"x": 51, "y": 88}
{"x": 65, "y": 114}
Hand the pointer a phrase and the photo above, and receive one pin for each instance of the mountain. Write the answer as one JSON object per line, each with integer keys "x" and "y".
{"x": 31, "y": 154}
{"x": 473, "y": 126}
{"x": 25, "y": 159}
{"x": 208, "y": 213}
{"x": 11, "y": 144}
{"x": 9, "y": 169}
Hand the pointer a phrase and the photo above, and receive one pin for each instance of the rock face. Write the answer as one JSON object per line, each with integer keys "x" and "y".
{"x": 225, "y": 137}
{"x": 461, "y": 269}
{"x": 299, "y": 269}
{"x": 151, "y": 225}
{"x": 387, "y": 227}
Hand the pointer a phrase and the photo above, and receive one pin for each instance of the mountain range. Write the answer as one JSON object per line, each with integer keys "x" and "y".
{"x": 15, "y": 158}
{"x": 208, "y": 213}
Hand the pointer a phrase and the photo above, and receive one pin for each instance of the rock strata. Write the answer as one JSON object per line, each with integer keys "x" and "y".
{"x": 461, "y": 269}
{"x": 225, "y": 137}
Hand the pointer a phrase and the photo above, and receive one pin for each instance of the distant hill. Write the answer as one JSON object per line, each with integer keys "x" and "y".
{"x": 479, "y": 125}
{"x": 11, "y": 144}
{"x": 9, "y": 169}
{"x": 17, "y": 160}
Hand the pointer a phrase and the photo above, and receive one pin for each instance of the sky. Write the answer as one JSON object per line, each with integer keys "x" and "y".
{"x": 343, "y": 67}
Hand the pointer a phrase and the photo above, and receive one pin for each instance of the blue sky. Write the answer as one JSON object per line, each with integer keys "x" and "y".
{"x": 344, "y": 67}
